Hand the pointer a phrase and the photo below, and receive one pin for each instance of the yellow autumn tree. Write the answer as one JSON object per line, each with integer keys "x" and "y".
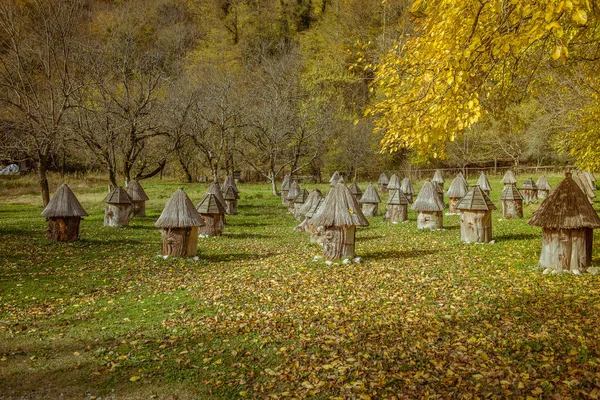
{"x": 466, "y": 58}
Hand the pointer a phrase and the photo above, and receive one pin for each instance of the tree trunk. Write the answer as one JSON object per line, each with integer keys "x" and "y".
{"x": 44, "y": 181}
{"x": 273, "y": 182}
{"x": 112, "y": 175}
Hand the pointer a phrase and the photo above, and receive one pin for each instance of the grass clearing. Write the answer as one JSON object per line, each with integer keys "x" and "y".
{"x": 423, "y": 315}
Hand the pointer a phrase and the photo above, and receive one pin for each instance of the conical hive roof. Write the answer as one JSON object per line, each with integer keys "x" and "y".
{"x": 314, "y": 207}
{"x": 370, "y": 196}
{"x": 509, "y": 177}
{"x": 229, "y": 181}
{"x": 136, "y": 191}
{"x": 383, "y": 179}
{"x": 397, "y": 197}
{"x": 566, "y": 207}
{"x": 462, "y": 177}
{"x": 511, "y": 192}
{"x": 483, "y": 182}
{"x": 542, "y": 183}
{"x": 64, "y": 204}
{"x": 457, "y": 188}
{"x": 428, "y": 199}
{"x": 302, "y": 196}
{"x": 476, "y": 200}
{"x": 215, "y": 189}
{"x": 394, "y": 182}
{"x": 210, "y": 204}
{"x": 584, "y": 184}
{"x": 294, "y": 191}
{"x": 334, "y": 178}
{"x": 117, "y": 196}
{"x": 341, "y": 180}
{"x": 313, "y": 197}
{"x": 355, "y": 190}
{"x": 406, "y": 187}
{"x": 437, "y": 177}
{"x": 528, "y": 184}
{"x": 339, "y": 208}
{"x": 230, "y": 194}
{"x": 179, "y": 212}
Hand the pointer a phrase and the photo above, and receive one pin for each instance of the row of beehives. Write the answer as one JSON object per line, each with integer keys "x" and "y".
{"x": 180, "y": 222}
{"x": 566, "y": 215}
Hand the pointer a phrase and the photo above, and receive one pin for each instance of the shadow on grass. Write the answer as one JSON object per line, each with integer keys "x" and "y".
{"x": 516, "y": 236}
{"x": 397, "y": 254}
{"x": 247, "y": 236}
{"x": 224, "y": 257}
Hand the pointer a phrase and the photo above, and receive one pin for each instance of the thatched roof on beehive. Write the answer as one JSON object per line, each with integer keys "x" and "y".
{"x": 370, "y": 196}
{"x": 293, "y": 192}
{"x": 437, "y": 177}
{"x": 117, "y": 196}
{"x": 383, "y": 179}
{"x": 64, "y": 204}
{"x": 285, "y": 185}
{"x": 179, "y": 212}
{"x": 355, "y": 190}
{"x": 339, "y": 208}
{"x": 457, "y": 188}
{"x": 584, "y": 184}
{"x": 528, "y": 184}
{"x": 229, "y": 181}
{"x": 313, "y": 197}
{"x": 476, "y": 200}
{"x": 509, "y": 177}
{"x": 406, "y": 187}
{"x": 230, "y": 194}
{"x": 314, "y": 207}
{"x": 334, "y": 178}
{"x": 215, "y": 189}
{"x": 428, "y": 199}
{"x": 511, "y": 192}
{"x": 302, "y": 196}
{"x": 136, "y": 191}
{"x": 483, "y": 182}
{"x": 566, "y": 207}
{"x": 397, "y": 197}
{"x": 542, "y": 183}
{"x": 210, "y": 204}
{"x": 394, "y": 182}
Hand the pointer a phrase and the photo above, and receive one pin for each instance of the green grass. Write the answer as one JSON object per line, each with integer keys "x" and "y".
{"x": 423, "y": 315}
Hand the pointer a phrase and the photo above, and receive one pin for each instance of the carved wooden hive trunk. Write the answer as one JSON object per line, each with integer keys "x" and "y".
{"x": 180, "y": 242}
{"x": 370, "y": 209}
{"x": 452, "y": 203}
{"x": 512, "y": 209}
{"x": 566, "y": 249}
{"x": 529, "y": 195}
{"x": 339, "y": 242}
{"x": 63, "y": 229}
{"x": 475, "y": 226}
{"x": 430, "y": 220}
{"x": 117, "y": 214}
{"x": 213, "y": 225}
{"x": 139, "y": 208}
{"x": 231, "y": 207}
{"x": 396, "y": 213}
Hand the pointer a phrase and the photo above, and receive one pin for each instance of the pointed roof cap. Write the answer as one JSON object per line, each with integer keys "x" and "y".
{"x": 339, "y": 208}
{"x": 285, "y": 185}
{"x": 394, "y": 182}
{"x": 293, "y": 191}
{"x": 210, "y": 204}
{"x": 117, "y": 196}
{"x": 302, "y": 196}
{"x": 136, "y": 192}
{"x": 179, "y": 212}
{"x": 483, "y": 182}
{"x": 528, "y": 184}
{"x": 383, "y": 179}
{"x": 428, "y": 199}
{"x": 334, "y": 178}
{"x": 437, "y": 177}
{"x": 230, "y": 194}
{"x": 64, "y": 204}
{"x": 509, "y": 177}
{"x": 215, "y": 189}
{"x": 397, "y": 198}
{"x": 355, "y": 190}
{"x": 229, "y": 181}
{"x": 566, "y": 207}
{"x": 511, "y": 192}
{"x": 462, "y": 177}
{"x": 313, "y": 197}
{"x": 584, "y": 184}
{"x": 542, "y": 183}
{"x": 370, "y": 196}
{"x": 341, "y": 180}
{"x": 476, "y": 200}
{"x": 406, "y": 186}
{"x": 457, "y": 188}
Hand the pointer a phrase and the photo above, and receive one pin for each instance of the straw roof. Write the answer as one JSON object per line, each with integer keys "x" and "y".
{"x": 437, "y": 177}
{"x": 483, "y": 182}
{"x": 334, "y": 178}
{"x": 215, "y": 189}
{"x": 584, "y": 184}
{"x": 339, "y": 208}
{"x": 457, "y": 188}
{"x": 394, "y": 182}
{"x": 406, "y": 187}
{"x": 313, "y": 197}
{"x": 179, "y": 212}
{"x": 428, "y": 199}
{"x": 302, "y": 196}
{"x": 285, "y": 185}
{"x": 210, "y": 204}
{"x": 370, "y": 196}
{"x": 542, "y": 183}
{"x": 136, "y": 192}
{"x": 509, "y": 177}
{"x": 476, "y": 200}
{"x": 383, "y": 179}
{"x": 64, "y": 204}
{"x": 397, "y": 198}
{"x": 355, "y": 190}
{"x": 293, "y": 191}
{"x": 566, "y": 207}
{"x": 117, "y": 196}
{"x": 528, "y": 184}
{"x": 314, "y": 207}
{"x": 511, "y": 192}
{"x": 230, "y": 194}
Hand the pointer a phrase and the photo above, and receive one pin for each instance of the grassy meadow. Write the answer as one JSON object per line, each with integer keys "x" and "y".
{"x": 422, "y": 316}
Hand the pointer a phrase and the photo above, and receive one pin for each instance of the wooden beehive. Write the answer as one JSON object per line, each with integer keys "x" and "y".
{"x": 382, "y": 182}
{"x": 512, "y": 202}
{"x": 285, "y": 188}
{"x": 314, "y": 230}
{"x": 138, "y": 198}
{"x": 370, "y": 202}
{"x": 339, "y": 215}
{"x": 335, "y": 177}
{"x": 407, "y": 189}
{"x": 484, "y": 184}
{"x": 585, "y": 185}
{"x": 397, "y": 207}
{"x": 476, "y": 216}
{"x": 212, "y": 212}
{"x": 291, "y": 196}
{"x": 457, "y": 190}
{"x": 394, "y": 182}
{"x": 356, "y": 192}
{"x": 543, "y": 187}
{"x": 299, "y": 202}
{"x": 215, "y": 189}
{"x": 63, "y": 215}
{"x": 231, "y": 199}
{"x": 529, "y": 191}
{"x": 567, "y": 220}
{"x": 509, "y": 179}
{"x": 429, "y": 207}
{"x": 118, "y": 208}
{"x": 438, "y": 179}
